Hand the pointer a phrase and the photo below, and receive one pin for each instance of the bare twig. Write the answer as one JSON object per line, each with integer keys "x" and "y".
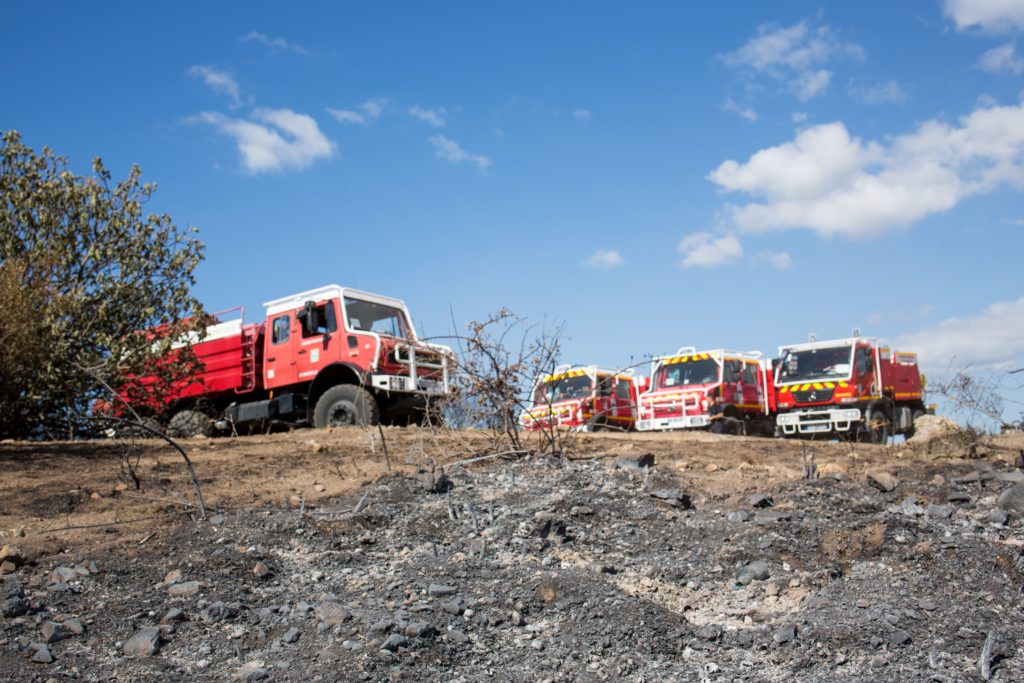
{"x": 985, "y": 661}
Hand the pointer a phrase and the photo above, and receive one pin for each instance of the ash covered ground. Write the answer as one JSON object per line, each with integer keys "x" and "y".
{"x": 675, "y": 557}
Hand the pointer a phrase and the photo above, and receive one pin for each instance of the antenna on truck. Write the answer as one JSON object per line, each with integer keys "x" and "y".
{"x": 812, "y": 337}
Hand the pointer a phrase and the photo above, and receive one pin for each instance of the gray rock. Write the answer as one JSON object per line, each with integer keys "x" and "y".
{"x": 145, "y": 643}
{"x": 457, "y": 637}
{"x": 173, "y": 615}
{"x": 174, "y": 576}
{"x": 927, "y": 605}
{"x": 419, "y": 629}
{"x": 958, "y": 497}
{"x": 1012, "y": 499}
{"x": 218, "y": 611}
{"x": 393, "y": 642}
{"x": 440, "y": 590}
{"x": 738, "y": 516}
{"x": 755, "y": 571}
{"x": 382, "y": 626}
{"x": 333, "y": 613}
{"x": 251, "y": 672}
{"x": 64, "y": 574}
{"x": 54, "y": 632}
{"x": 997, "y": 516}
{"x": 217, "y": 519}
{"x": 14, "y": 607}
{"x": 292, "y": 635}
{"x": 897, "y": 637}
{"x": 772, "y": 516}
{"x": 709, "y": 632}
{"x": 261, "y": 570}
{"x": 635, "y": 463}
{"x": 674, "y": 497}
{"x": 42, "y": 655}
{"x": 353, "y": 645}
{"x": 910, "y": 507}
{"x": 183, "y": 590}
{"x": 940, "y": 511}
{"x": 456, "y": 606}
{"x": 760, "y": 500}
{"x": 785, "y": 633}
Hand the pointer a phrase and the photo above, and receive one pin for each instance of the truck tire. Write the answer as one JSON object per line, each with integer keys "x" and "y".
{"x": 345, "y": 404}
{"x": 188, "y": 423}
{"x": 878, "y": 426}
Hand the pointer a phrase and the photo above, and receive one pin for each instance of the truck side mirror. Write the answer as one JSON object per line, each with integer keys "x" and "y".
{"x": 309, "y": 317}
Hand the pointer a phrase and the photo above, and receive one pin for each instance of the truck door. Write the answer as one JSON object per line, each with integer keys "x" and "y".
{"x": 732, "y": 391}
{"x": 318, "y": 339}
{"x": 753, "y": 393}
{"x": 864, "y": 366}
{"x": 625, "y": 401}
{"x": 279, "y": 365}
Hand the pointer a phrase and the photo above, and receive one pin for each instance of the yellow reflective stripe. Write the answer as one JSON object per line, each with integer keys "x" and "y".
{"x": 805, "y": 387}
{"x": 843, "y": 385}
{"x": 830, "y": 385}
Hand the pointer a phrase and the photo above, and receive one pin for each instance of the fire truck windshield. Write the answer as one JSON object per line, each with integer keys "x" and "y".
{"x": 701, "y": 371}
{"x": 369, "y": 316}
{"x": 808, "y": 365}
{"x": 563, "y": 389}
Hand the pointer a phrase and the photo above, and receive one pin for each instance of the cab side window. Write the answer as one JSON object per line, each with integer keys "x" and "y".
{"x": 863, "y": 361}
{"x": 750, "y": 373}
{"x": 622, "y": 389}
{"x": 323, "y": 320}
{"x": 280, "y": 329}
{"x": 731, "y": 371}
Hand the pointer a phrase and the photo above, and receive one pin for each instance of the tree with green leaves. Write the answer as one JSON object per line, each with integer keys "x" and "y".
{"x": 93, "y": 291}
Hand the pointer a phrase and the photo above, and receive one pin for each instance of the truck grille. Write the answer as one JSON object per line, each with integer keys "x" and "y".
{"x": 813, "y": 395}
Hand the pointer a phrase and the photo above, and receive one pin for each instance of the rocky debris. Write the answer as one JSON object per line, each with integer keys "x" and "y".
{"x": 251, "y": 672}
{"x": 146, "y": 642}
{"x": 53, "y": 631}
{"x": 41, "y": 654}
{"x": 12, "y": 554}
{"x": 393, "y": 642}
{"x": 435, "y": 481}
{"x": 292, "y": 635}
{"x": 760, "y": 500}
{"x": 785, "y": 633}
{"x": 881, "y": 480}
{"x": 640, "y": 463}
{"x": 333, "y": 613}
{"x": 674, "y": 497}
{"x": 928, "y": 428}
{"x": 738, "y": 516}
{"x": 261, "y": 571}
{"x": 173, "y": 616}
{"x": 1012, "y": 499}
{"x": 183, "y": 589}
{"x": 755, "y": 571}
{"x": 440, "y": 590}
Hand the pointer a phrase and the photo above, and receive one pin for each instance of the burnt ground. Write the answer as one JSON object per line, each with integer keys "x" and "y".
{"x": 720, "y": 561}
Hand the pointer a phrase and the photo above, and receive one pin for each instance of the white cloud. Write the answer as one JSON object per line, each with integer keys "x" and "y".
{"x": 218, "y": 81}
{"x": 368, "y": 111}
{"x": 281, "y": 140}
{"x": 450, "y": 150}
{"x": 794, "y": 55}
{"x": 275, "y": 43}
{"x": 889, "y": 91}
{"x": 799, "y": 117}
{"x": 582, "y": 115}
{"x": 748, "y": 113}
{"x": 995, "y": 16}
{"x": 1002, "y": 58}
{"x": 705, "y": 250}
{"x": 834, "y": 184}
{"x": 779, "y": 260}
{"x": 434, "y": 117}
{"x": 604, "y": 259}
{"x": 993, "y": 337}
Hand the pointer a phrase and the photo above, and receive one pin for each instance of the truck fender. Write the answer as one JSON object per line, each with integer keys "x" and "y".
{"x": 329, "y": 376}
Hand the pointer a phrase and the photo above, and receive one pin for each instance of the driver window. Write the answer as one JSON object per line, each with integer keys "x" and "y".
{"x": 863, "y": 361}
{"x": 279, "y": 331}
{"x": 731, "y": 371}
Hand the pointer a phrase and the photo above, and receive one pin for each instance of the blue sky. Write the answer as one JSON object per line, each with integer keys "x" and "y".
{"x": 655, "y": 175}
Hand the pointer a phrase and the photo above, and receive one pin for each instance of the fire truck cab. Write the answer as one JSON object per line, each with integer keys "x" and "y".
{"x": 853, "y": 386}
{"x": 677, "y": 394}
{"x": 583, "y": 398}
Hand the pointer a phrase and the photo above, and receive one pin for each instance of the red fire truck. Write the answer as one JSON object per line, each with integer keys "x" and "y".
{"x": 584, "y": 398}
{"x": 677, "y": 396}
{"x": 328, "y": 356}
{"x": 854, "y": 387}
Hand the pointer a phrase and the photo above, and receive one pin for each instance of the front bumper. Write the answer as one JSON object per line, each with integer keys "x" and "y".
{"x": 668, "y": 423}
{"x": 816, "y": 420}
{"x": 403, "y": 384}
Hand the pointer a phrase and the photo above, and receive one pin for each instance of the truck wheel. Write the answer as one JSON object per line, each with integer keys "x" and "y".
{"x": 878, "y": 426}
{"x": 188, "y": 423}
{"x": 345, "y": 404}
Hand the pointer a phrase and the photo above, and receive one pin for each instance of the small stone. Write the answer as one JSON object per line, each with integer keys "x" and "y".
{"x": 145, "y": 643}
{"x": 7, "y": 567}
{"x": 54, "y": 632}
{"x": 183, "y": 590}
{"x": 537, "y": 645}
{"x": 64, "y": 574}
{"x": 755, "y": 571}
{"x": 927, "y": 605}
{"x": 939, "y": 511}
{"x": 863, "y": 603}
{"x": 440, "y": 590}
{"x": 319, "y": 488}
{"x": 1012, "y": 499}
{"x": 418, "y": 629}
{"x": 760, "y": 500}
{"x": 251, "y": 672}
{"x": 173, "y": 576}
{"x": 785, "y": 633}
{"x": 353, "y": 645}
{"x": 772, "y": 516}
{"x": 393, "y": 642}
{"x": 709, "y": 632}
{"x": 897, "y": 637}
{"x": 997, "y": 516}
{"x": 581, "y": 510}
{"x": 456, "y": 606}
{"x": 738, "y": 516}
{"x": 674, "y": 497}
{"x": 883, "y": 481}
{"x": 457, "y": 637}
{"x": 333, "y": 613}
{"x": 12, "y": 554}
{"x": 771, "y": 588}
{"x": 635, "y": 463}
{"x": 42, "y": 655}
{"x": 292, "y": 635}
{"x": 261, "y": 570}
{"x": 173, "y": 616}
{"x": 517, "y": 618}
{"x": 958, "y": 497}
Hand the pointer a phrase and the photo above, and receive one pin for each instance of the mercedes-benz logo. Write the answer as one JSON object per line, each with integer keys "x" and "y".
{"x": 813, "y": 396}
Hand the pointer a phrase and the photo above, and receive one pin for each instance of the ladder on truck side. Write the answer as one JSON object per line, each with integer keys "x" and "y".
{"x": 250, "y": 334}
